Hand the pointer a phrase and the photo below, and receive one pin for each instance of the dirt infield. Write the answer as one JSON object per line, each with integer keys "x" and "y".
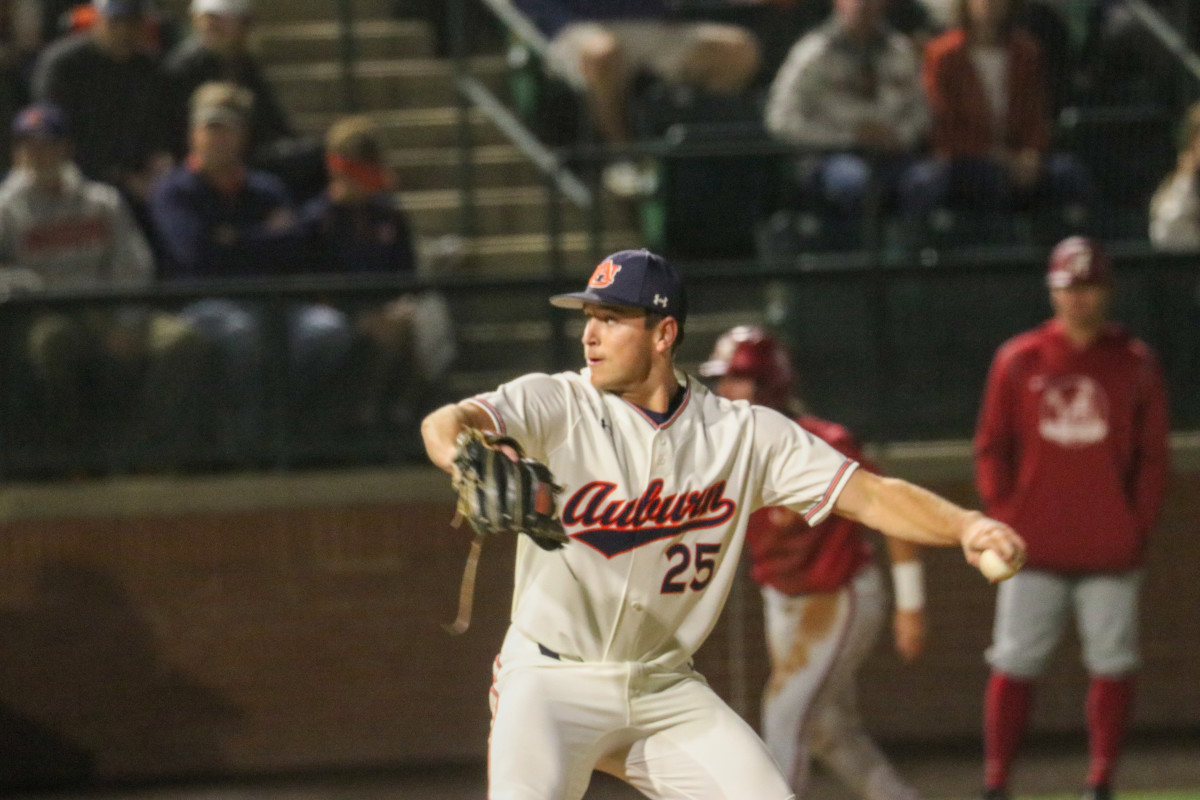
{"x": 942, "y": 772}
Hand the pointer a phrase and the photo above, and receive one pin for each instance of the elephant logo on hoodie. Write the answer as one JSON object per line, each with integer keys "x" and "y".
{"x": 1073, "y": 411}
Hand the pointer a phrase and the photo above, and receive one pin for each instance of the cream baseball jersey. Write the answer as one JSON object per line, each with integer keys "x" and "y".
{"x": 657, "y": 513}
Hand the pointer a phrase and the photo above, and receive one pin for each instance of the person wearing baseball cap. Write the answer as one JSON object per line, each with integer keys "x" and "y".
{"x": 218, "y": 50}
{"x": 41, "y": 121}
{"x": 1078, "y": 261}
{"x": 71, "y": 231}
{"x": 633, "y": 279}
{"x": 809, "y": 709}
{"x": 1071, "y": 449}
{"x": 111, "y": 90}
{"x": 656, "y": 478}
{"x": 66, "y": 233}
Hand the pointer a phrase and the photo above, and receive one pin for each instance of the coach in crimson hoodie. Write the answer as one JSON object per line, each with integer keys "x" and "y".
{"x": 1071, "y": 450}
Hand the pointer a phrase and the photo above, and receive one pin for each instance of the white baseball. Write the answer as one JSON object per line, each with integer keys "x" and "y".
{"x": 994, "y": 567}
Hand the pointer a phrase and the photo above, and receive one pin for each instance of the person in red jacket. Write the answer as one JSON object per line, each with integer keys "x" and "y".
{"x": 823, "y": 596}
{"x": 988, "y": 96}
{"x": 1071, "y": 450}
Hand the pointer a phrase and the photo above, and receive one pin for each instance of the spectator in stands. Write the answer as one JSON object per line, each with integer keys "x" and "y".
{"x": 1175, "y": 207}
{"x": 849, "y": 95}
{"x": 356, "y": 223}
{"x": 219, "y": 50}
{"x": 781, "y": 22}
{"x": 113, "y": 95}
{"x": 991, "y": 124}
{"x": 20, "y": 42}
{"x": 60, "y": 231}
{"x": 357, "y": 227}
{"x": 599, "y": 46}
{"x": 219, "y": 219}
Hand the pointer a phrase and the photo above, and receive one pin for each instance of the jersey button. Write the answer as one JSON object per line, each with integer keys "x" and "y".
{"x": 636, "y": 606}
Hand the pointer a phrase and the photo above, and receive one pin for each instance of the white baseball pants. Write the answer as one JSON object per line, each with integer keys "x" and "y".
{"x": 817, "y": 643}
{"x": 555, "y": 720}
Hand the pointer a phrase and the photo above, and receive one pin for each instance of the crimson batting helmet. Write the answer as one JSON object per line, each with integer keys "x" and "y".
{"x": 748, "y": 351}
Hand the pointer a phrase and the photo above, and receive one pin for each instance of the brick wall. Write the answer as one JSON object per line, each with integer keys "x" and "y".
{"x": 153, "y": 639}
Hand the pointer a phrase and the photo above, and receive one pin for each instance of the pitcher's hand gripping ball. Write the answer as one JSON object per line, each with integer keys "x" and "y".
{"x": 995, "y": 568}
{"x": 499, "y": 495}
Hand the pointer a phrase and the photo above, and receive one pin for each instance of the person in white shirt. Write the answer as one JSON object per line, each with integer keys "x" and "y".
{"x": 1175, "y": 207}
{"x": 849, "y": 96}
{"x": 61, "y": 232}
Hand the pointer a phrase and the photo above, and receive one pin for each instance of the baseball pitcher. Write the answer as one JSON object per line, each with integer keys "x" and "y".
{"x": 655, "y": 479}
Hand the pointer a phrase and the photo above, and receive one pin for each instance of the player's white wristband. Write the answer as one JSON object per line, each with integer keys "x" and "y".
{"x": 908, "y": 581}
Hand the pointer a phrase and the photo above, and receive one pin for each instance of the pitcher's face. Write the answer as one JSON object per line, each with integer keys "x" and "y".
{"x": 617, "y": 345}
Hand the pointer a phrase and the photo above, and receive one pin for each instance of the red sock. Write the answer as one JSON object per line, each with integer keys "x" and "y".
{"x": 1006, "y": 706}
{"x": 1109, "y": 701}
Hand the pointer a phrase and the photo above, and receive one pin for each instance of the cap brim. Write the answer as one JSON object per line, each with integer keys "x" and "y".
{"x": 578, "y": 299}
{"x": 1069, "y": 281}
{"x": 41, "y": 136}
{"x": 225, "y": 117}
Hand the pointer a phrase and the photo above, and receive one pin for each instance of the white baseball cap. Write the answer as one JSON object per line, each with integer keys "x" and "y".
{"x": 240, "y": 8}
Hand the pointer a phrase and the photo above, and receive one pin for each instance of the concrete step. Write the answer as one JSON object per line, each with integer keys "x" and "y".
{"x": 503, "y": 209}
{"x": 295, "y": 10}
{"x": 378, "y": 84}
{"x": 320, "y": 40}
{"x": 407, "y": 128}
{"x": 421, "y": 168}
{"x": 528, "y": 254}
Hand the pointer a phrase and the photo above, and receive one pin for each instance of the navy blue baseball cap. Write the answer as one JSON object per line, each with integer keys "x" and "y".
{"x": 120, "y": 8}
{"x": 632, "y": 279}
{"x": 41, "y": 121}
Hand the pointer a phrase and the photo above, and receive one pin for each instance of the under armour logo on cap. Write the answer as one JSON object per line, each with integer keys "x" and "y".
{"x": 632, "y": 279}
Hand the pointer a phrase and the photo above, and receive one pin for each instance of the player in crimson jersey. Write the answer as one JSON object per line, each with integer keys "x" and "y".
{"x": 1071, "y": 448}
{"x": 823, "y": 596}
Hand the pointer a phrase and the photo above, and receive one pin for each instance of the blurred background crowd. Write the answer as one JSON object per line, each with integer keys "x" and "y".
{"x": 154, "y": 156}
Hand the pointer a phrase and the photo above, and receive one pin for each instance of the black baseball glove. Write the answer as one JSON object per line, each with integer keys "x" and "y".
{"x": 499, "y": 495}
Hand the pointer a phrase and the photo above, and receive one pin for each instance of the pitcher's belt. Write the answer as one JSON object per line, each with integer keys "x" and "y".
{"x": 548, "y": 653}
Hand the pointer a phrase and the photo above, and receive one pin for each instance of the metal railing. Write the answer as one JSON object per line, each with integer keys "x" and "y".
{"x": 1168, "y": 36}
{"x": 898, "y": 352}
{"x": 348, "y": 56}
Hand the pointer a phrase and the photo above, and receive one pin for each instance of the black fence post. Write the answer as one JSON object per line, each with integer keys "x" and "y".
{"x": 348, "y": 55}
{"x": 457, "y": 23}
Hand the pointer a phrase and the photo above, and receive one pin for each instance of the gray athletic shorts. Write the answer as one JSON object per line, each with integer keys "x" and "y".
{"x": 1032, "y": 607}
{"x": 652, "y": 45}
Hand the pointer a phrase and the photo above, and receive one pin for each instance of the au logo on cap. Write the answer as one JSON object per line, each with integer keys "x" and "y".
{"x": 604, "y": 275}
